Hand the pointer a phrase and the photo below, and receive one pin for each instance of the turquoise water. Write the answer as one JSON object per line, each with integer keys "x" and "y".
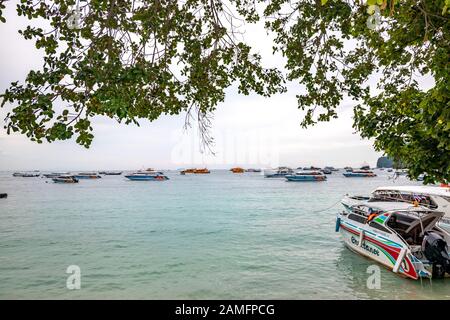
{"x": 216, "y": 236}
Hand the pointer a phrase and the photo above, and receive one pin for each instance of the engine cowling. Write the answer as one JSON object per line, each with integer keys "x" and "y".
{"x": 435, "y": 250}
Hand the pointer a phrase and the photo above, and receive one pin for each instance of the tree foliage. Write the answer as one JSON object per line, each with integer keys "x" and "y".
{"x": 134, "y": 59}
{"x": 129, "y": 60}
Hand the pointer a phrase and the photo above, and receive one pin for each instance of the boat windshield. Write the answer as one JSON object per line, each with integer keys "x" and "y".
{"x": 411, "y": 226}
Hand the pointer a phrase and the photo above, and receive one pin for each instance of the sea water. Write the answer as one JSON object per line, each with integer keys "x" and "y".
{"x": 213, "y": 236}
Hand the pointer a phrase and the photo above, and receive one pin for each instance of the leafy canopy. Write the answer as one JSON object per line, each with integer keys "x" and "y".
{"x": 140, "y": 59}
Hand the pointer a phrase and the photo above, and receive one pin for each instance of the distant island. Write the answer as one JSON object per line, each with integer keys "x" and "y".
{"x": 385, "y": 162}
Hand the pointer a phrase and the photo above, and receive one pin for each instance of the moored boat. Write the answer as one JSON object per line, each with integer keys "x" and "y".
{"x": 147, "y": 176}
{"x": 435, "y": 198}
{"x": 55, "y": 174}
{"x": 280, "y": 172}
{"x": 27, "y": 174}
{"x": 252, "y": 170}
{"x": 201, "y": 171}
{"x": 111, "y": 173}
{"x": 65, "y": 179}
{"x": 87, "y": 175}
{"x": 195, "y": 171}
{"x": 307, "y": 176}
{"x": 237, "y": 170}
{"x": 359, "y": 174}
{"x": 407, "y": 241}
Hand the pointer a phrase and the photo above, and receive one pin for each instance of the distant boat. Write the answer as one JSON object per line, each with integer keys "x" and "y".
{"x": 252, "y": 170}
{"x": 195, "y": 171}
{"x": 401, "y": 172}
{"x": 348, "y": 169}
{"x": 201, "y": 171}
{"x": 237, "y": 170}
{"x": 330, "y": 168}
{"x": 111, "y": 173}
{"x": 280, "y": 172}
{"x": 27, "y": 174}
{"x": 87, "y": 175}
{"x": 312, "y": 168}
{"x": 326, "y": 171}
{"x": 147, "y": 176}
{"x": 65, "y": 179}
{"x": 359, "y": 174}
{"x": 3, "y": 195}
{"x": 55, "y": 174}
{"x": 309, "y": 175}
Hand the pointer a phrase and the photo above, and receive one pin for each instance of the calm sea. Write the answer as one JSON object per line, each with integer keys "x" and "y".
{"x": 216, "y": 236}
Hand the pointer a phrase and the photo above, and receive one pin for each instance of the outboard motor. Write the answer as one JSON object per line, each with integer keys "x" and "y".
{"x": 435, "y": 250}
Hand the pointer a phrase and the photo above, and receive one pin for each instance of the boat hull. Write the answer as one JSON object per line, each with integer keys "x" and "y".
{"x": 59, "y": 180}
{"x": 359, "y": 175}
{"x": 275, "y": 175}
{"x": 301, "y": 178}
{"x": 147, "y": 178}
{"x": 380, "y": 249}
{"x": 87, "y": 177}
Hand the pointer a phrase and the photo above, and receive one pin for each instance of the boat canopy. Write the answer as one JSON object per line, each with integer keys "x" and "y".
{"x": 436, "y": 191}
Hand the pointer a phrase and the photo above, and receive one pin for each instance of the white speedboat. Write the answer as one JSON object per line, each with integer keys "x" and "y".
{"x": 280, "y": 172}
{"x": 408, "y": 241}
{"x": 147, "y": 175}
{"x": 55, "y": 174}
{"x": 306, "y": 176}
{"x": 27, "y": 174}
{"x": 435, "y": 198}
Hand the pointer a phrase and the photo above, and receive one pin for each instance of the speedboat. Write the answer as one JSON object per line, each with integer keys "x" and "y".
{"x": 311, "y": 168}
{"x": 359, "y": 174}
{"x": 307, "y": 176}
{"x": 147, "y": 176}
{"x": 65, "y": 179}
{"x": 55, "y": 174}
{"x": 280, "y": 172}
{"x": 111, "y": 173}
{"x": 435, "y": 198}
{"x": 27, "y": 174}
{"x": 87, "y": 175}
{"x": 407, "y": 241}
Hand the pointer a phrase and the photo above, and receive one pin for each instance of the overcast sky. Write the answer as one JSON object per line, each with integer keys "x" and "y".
{"x": 249, "y": 130}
